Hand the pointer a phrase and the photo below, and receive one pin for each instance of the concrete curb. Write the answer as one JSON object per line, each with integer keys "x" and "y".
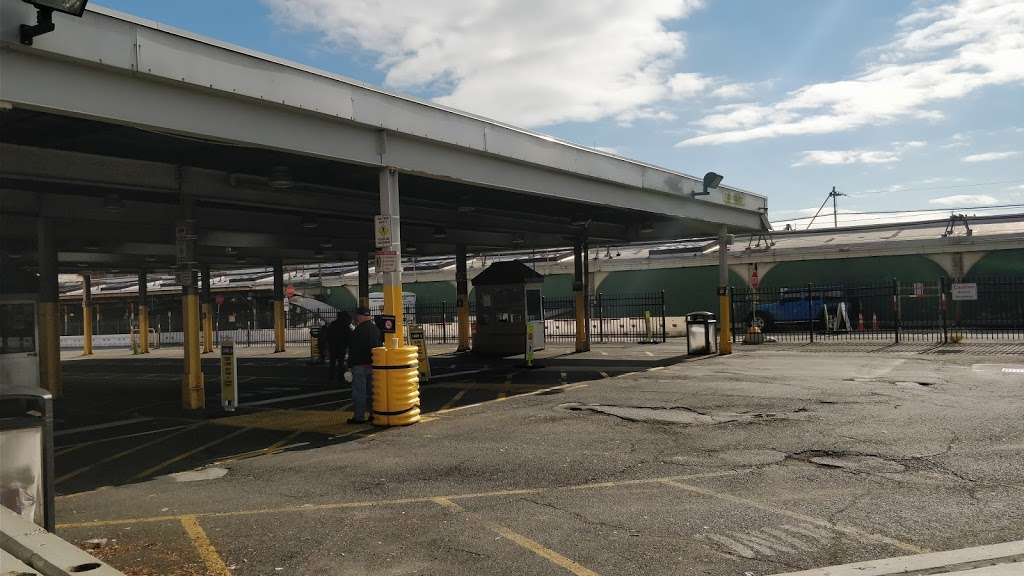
{"x": 992, "y": 560}
{"x": 45, "y": 553}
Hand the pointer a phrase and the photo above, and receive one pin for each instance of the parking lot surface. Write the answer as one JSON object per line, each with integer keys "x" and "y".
{"x": 757, "y": 463}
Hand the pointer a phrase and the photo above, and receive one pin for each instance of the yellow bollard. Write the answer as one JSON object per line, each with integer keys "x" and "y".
{"x": 396, "y": 386}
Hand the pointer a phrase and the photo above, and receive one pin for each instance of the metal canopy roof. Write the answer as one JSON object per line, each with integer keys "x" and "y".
{"x": 112, "y": 104}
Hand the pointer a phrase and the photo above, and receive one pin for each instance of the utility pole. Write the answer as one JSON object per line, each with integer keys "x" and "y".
{"x": 835, "y": 212}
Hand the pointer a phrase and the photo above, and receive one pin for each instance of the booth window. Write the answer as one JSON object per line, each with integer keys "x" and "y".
{"x": 533, "y": 306}
{"x": 17, "y": 328}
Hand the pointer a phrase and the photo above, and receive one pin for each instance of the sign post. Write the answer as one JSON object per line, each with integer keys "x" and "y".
{"x": 228, "y": 375}
{"x": 417, "y": 338}
{"x": 529, "y": 345}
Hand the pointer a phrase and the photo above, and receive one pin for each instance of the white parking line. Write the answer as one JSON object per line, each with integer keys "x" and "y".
{"x": 101, "y": 426}
{"x": 295, "y": 397}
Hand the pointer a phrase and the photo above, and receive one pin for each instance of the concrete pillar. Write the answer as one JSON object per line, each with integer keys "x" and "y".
{"x": 193, "y": 394}
{"x": 86, "y": 315}
{"x": 579, "y": 287}
{"x": 278, "y": 306}
{"x": 207, "y": 311}
{"x": 363, "y": 296}
{"x": 724, "y": 306}
{"x": 462, "y": 297}
{"x": 392, "y": 281}
{"x": 143, "y": 313}
{"x": 47, "y": 311}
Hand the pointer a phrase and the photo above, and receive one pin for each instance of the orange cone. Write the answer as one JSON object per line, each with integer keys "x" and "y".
{"x": 860, "y": 321}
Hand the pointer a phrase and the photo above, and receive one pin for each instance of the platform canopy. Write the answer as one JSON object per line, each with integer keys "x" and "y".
{"x": 109, "y": 124}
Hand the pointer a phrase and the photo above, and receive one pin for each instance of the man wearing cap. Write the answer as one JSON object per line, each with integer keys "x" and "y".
{"x": 364, "y": 339}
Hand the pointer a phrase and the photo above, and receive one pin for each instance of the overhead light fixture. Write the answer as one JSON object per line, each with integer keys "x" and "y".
{"x": 150, "y": 258}
{"x": 647, "y": 227}
{"x": 466, "y": 209}
{"x": 711, "y": 180}
{"x": 440, "y": 233}
{"x": 280, "y": 178}
{"x": 327, "y": 243}
{"x": 709, "y": 247}
{"x": 410, "y": 248}
{"x": 309, "y": 222}
{"x": 579, "y": 220}
{"x": 113, "y": 203}
{"x": 91, "y": 247}
{"x": 518, "y": 239}
{"x": 44, "y": 16}
{"x": 608, "y": 252}
{"x": 231, "y": 250}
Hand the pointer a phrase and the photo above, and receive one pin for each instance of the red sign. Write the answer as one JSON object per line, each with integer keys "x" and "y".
{"x": 219, "y": 299}
{"x": 754, "y": 280}
{"x": 289, "y": 291}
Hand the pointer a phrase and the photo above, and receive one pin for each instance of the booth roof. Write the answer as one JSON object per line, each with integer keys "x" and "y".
{"x": 507, "y": 272}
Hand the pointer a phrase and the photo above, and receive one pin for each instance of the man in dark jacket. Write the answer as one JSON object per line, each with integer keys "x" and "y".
{"x": 364, "y": 339}
{"x": 339, "y": 333}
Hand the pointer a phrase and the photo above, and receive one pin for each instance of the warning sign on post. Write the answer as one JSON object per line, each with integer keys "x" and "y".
{"x": 386, "y": 261}
{"x": 382, "y": 231}
{"x": 965, "y": 291}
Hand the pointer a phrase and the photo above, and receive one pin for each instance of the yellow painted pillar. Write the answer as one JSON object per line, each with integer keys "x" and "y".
{"x": 47, "y": 311}
{"x": 364, "y": 278}
{"x": 724, "y": 304}
{"x": 86, "y": 315}
{"x": 579, "y": 287}
{"x": 462, "y": 297}
{"x": 193, "y": 394}
{"x": 207, "y": 313}
{"x": 396, "y": 399}
{"x": 278, "y": 306}
{"x": 143, "y": 314}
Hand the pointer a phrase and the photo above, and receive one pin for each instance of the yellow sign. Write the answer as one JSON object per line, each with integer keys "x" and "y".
{"x": 418, "y": 339}
{"x": 228, "y": 375}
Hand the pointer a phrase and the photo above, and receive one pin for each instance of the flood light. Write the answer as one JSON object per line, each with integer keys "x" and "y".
{"x": 711, "y": 180}
{"x": 44, "y": 16}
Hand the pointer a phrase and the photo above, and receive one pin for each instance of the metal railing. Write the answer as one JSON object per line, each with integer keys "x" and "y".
{"x": 938, "y": 311}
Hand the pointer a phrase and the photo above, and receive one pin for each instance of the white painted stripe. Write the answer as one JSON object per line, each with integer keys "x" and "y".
{"x": 101, "y": 426}
{"x": 732, "y": 545}
{"x": 456, "y": 374}
{"x": 755, "y": 543}
{"x": 791, "y": 540}
{"x": 295, "y": 397}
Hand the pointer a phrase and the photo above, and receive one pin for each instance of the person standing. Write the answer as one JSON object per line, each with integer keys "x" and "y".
{"x": 339, "y": 334}
{"x": 364, "y": 339}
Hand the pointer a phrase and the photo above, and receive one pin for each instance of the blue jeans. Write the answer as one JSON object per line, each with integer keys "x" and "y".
{"x": 362, "y": 391}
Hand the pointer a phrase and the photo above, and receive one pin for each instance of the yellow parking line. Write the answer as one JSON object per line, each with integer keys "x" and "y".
{"x": 802, "y": 517}
{"x": 522, "y": 541}
{"x": 421, "y": 499}
{"x": 123, "y": 453}
{"x": 455, "y": 399}
{"x": 215, "y": 565}
{"x": 149, "y": 471}
{"x": 275, "y": 447}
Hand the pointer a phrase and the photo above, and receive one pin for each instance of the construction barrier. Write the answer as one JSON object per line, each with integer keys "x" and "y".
{"x": 396, "y": 386}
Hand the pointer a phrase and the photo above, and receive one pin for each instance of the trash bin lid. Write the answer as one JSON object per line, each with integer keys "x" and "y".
{"x": 699, "y": 316}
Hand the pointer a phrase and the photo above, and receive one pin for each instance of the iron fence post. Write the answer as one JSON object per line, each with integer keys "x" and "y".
{"x": 810, "y": 310}
{"x": 444, "y": 321}
{"x": 600, "y": 316}
{"x": 943, "y": 306}
{"x": 664, "y": 329}
{"x": 896, "y": 307}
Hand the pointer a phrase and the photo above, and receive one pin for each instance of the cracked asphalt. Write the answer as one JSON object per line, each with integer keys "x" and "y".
{"x": 757, "y": 463}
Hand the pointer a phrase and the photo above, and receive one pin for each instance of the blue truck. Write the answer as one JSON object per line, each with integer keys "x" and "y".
{"x": 797, "y": 306}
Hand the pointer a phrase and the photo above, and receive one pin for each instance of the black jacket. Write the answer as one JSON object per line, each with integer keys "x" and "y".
{"x": 339, "y": 334}
{"x": 364, "y": 339}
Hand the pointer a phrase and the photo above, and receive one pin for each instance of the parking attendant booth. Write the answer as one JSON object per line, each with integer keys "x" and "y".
{"x": 508, "y": 309}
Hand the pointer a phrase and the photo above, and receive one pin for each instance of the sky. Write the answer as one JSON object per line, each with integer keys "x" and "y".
{"x": 911, "y": 105}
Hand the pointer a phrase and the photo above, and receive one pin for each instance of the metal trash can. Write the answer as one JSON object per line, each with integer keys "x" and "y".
{"x": 26, "y": 442}
{"x": 701, "y": 333}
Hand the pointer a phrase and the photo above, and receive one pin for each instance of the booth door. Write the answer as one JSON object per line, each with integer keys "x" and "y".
{"x": 19, "y": 362}
{"x": 535, "y": 316}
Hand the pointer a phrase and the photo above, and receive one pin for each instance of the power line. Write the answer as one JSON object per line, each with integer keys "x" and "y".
{"x": 917, "y": 211}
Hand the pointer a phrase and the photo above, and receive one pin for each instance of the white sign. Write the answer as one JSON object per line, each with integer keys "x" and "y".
{"x": 386, "y": 261}
{"x": 918, "y": 289}
{"x": 382, "y": 231}
{"x": 965, "y": 291}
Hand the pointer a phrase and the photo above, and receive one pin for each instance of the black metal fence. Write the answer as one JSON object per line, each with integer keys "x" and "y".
{"x": 937, "y": 311}
{"x": 613, "y": 318}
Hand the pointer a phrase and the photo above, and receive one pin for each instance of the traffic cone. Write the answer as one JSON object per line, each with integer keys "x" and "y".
{"x": 860, "y": 321}
{"x": 874, "y": 322}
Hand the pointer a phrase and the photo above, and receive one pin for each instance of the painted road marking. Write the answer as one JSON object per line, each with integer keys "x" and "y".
{"x": 123, "y": 453}
{"x": 798, "y": 516}
{"x": 273, "y": 448}
{"x": 101, "y": 426}
{"x": 455, "y": 399}
{"x": 1013, "y": 370}
{"x": 415, "y": 500}
{"x": 215, "y": 565}
{"x": 295, "y": 397}
{"x": 149, "y": 471}
{"x": 520, "y": 540}
{"x": 66, "y": 449}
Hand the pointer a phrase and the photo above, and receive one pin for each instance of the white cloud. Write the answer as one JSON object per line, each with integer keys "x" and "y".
{"x": 958, "y": 140}
{"x": 687, "y": 85}
{"x": 990, "y": 156}
{"x": 963, "y": 200}
{"x": 941, "y": 53}
{"x": 735, "y": 90}
{"x": 832, "y": 157}
{"x": 528, "y": 62}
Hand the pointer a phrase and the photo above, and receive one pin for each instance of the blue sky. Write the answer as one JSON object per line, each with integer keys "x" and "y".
{"x": 901, "y": 105}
